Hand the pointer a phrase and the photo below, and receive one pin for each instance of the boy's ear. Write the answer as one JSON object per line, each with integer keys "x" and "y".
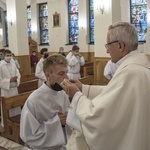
{"x": 47, "y": 74}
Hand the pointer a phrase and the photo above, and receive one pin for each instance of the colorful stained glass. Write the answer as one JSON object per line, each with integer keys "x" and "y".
{"x": 29, "y": 20}
{"x": 44, "y": 37}
{"x": 43, "y": 21}
{"x": 91, "y": 20}
{"x": 6, "y": 29}
{"x": 43, "y": 10}
{"x": 139, "y": 18}
{"x": 73, "y": 21}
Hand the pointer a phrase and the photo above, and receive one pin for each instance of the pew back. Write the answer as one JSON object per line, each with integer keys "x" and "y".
{"x": 28, "y": 77}
{"x": 87, "y": 64}
{"x": 88, "y": 71}
{"x": 87, "y": 80}
{"x": 28, "y": 86}
{"x": 12, "y": 124}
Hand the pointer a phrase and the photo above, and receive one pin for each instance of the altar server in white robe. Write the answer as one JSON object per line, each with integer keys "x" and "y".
{"x": 39, "y": 73}
{"x": 110, "y": 69}
{"x": 116, "y": 116}
{"x": 75, "y": 61}
{"x": 43, "y": 118}
{"x": 9, "y": 81}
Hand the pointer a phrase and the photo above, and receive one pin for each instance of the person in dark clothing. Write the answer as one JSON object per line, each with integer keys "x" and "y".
{"x": 61, "y": 51}
{"x": 34, "y": 61}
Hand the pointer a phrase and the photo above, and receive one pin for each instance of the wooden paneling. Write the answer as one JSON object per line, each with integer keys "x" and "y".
{"x": 25, "y": 67}
{"x": 24, "y": 62}
{"x": 99, "y": 65}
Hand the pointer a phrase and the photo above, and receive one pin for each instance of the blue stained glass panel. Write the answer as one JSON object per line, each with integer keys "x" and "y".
{"x": 91, "y": 20}
{"x": 139, "y": 18}
{"x": 29, "y": 27}
{"x": 29, "y": 20}
{"x": 44, "y": 37}
{"x": 6, "y": 29}
{"x": 73, "y": 21}
{"x": 28, "y": 12}
{"x": 43, "y": 10}
{"x": 43, "y": 21}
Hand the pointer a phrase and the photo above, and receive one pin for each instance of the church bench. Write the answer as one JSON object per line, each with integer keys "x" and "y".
{"x": 28, "y": 86}
{"x": 88, "y": 71}
{"x": 87, "y": 80}
{"x": 28, "y": 77}
{"x": 12, "y": 124}
{"x": 87, "y": 64}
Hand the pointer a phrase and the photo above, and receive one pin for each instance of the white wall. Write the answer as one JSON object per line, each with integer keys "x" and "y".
{"x": 59, "y": 36}
{"x": 115, "y": 10}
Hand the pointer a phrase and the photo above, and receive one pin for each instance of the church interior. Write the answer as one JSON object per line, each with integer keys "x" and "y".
{"x": 30, "y": 25}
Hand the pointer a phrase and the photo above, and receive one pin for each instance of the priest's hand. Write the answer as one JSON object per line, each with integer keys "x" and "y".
{"x": 62, "y": 118}
{"x": 77, "y": 83}
{"x": 69, "y": 87}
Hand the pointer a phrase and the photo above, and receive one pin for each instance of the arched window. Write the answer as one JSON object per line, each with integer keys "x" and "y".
{"x": 73, "y": 21}
{"x": 43, "y": 21}
{"x": 91, "y": 21}
{"x": 138, "y": 11}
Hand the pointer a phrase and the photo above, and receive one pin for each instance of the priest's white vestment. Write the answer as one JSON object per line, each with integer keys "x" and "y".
{"x": 117, "y": 116}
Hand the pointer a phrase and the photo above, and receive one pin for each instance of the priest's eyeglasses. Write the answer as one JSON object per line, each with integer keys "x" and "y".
{"x": 108, "y": 44}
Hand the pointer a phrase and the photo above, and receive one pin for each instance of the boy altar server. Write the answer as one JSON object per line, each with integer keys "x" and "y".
{"x": 9, "y": 81}
{"x": 43, "y": 118}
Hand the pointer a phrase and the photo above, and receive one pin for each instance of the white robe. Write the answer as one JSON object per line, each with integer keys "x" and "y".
{"x": 8, "y": 70}
{"x": 40, "y": 125}
{"x": 74, "y": 63}
{"x": 115, "y": 117}
{"x": 8, "y": 89}
{"x": 110, "y": 69}
{"x": 39, "y": 73}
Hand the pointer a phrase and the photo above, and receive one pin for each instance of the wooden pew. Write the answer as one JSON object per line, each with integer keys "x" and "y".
{"x": 28, "y": 86}
{"x": 87, "y": 80}
{"x": 87, "y": 64}
{"x": 12, "y": 124}
{"x": 88, "y": 71}
{"x": 28, "y": 77}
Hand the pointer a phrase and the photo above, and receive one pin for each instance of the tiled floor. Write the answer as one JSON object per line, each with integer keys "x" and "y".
{"x": 10, "y": 145}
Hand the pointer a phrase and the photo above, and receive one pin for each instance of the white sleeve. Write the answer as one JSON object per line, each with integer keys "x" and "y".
{"x": 82, "y": 61}
{"x": 39, "y": 73}
{"x": 4, "y": 83}
{"x": 48, "y": 133}
{"x": 72, "y": 119}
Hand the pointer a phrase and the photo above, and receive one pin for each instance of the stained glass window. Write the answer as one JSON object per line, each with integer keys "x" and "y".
{"x": 29, "y": 20}
{"x": 91, "y": 20}
{"x": 6, "y": 28}
{"x": 43, "y": 20}
{"x": 73, "y": 21}
{"x": 139, "y": 18}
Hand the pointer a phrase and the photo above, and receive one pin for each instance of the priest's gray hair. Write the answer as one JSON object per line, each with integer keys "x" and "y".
{"x": 53, "y": 60}
{"x": 125, "y": 32}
